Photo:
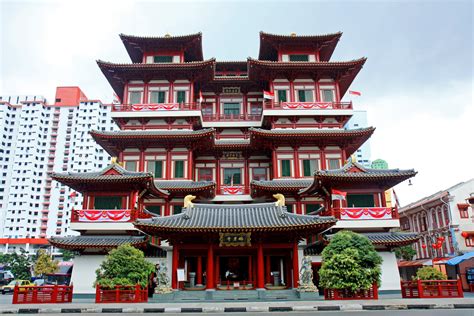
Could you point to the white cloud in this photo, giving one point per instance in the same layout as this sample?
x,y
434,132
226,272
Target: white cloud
x,y
436,140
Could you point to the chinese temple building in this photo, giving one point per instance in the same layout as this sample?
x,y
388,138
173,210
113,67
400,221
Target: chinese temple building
x,y
229,171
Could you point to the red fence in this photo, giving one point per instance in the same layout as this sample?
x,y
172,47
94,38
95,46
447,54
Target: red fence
x,y
42,294
432,289
345,294
121,294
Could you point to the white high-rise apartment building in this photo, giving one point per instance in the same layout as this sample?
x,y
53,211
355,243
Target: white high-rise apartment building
x,y
359,120
37,138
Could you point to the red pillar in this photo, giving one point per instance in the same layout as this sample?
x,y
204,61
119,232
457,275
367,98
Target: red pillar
x,y
274,163
218,175
292,91
199,271
168,164
141,162
171,93
190,164
296,274
174,268
247,176
267,270
296,162
260,268
210,267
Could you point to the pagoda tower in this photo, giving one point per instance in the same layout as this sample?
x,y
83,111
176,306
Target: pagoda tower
x,y
230,171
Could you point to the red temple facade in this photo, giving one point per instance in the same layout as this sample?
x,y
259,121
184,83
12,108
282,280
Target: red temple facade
x,y
228,136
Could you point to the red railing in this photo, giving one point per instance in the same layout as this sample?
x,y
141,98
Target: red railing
x,y
102,216
233,190
362,213
432,289
121,294
345,294
230,117
308,105
236,285
147,107
42,294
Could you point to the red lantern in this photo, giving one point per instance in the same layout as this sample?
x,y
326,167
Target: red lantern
x,y
464,234
423,246
434,246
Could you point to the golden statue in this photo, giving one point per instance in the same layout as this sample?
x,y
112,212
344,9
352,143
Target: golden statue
x,y
280,199
188,201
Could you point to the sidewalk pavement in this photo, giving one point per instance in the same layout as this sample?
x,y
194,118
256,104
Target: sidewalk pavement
x,y
252,307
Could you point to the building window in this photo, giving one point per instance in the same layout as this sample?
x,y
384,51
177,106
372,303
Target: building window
x,y
282,96
206,109
131,165
334,164
259,174
177,209
107,202
162,59
256,109
310,166
299,57
312,208
360,200
135,97
463,210
180,96
470,241
205,174
286,168
157,96
232,176
179,169
155,167
231,108
305,96
328,95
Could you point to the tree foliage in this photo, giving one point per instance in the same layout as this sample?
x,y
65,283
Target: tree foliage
x,y
429,273
45,264
405,252
18,263
350,261
125,265
67,254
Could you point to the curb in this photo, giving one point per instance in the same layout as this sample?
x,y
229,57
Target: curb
x,y
248,309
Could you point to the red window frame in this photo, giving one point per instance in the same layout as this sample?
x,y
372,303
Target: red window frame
x,y
463,210
469,241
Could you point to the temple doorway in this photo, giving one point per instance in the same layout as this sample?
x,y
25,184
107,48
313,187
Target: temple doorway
x,y
234,272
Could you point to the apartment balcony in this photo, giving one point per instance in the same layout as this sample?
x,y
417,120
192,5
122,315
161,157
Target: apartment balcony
x,y
44,227
44,211
44,219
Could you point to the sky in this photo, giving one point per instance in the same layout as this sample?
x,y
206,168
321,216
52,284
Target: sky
x,y
417,84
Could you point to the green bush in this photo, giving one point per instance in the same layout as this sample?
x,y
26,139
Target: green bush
x,y
429,273
125,265
405,252
350,261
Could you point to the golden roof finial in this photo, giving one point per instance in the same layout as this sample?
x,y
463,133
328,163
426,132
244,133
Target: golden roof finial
x,y
353,158
167,35
113,161
293,34
188,201
280,199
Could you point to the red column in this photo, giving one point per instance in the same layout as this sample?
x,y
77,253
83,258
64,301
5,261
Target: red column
x,y
260,268
218,105
267,270
210,267
85,199
246,175
292,91
168,164
274,163
190,164
245,106
174,268
199,271
296,162
141,162
218,175
338,92
191,98
171,92
296,274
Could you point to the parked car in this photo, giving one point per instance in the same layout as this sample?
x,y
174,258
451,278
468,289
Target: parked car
x,y
10,286
39,282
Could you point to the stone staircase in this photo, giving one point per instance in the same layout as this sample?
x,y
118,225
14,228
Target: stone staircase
x,y
228,296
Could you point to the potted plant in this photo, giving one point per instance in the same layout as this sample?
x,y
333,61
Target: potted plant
x,y
350,268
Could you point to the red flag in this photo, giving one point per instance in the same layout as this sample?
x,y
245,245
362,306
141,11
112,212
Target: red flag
x,y
338,195
357,93
268,95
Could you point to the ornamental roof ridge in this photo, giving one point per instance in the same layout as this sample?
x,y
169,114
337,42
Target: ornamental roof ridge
x,y
308,130
361,60
344,170
306,36
152,132
122,172
165,37
188,63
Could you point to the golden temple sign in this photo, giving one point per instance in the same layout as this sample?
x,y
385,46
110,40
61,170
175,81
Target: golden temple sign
x,y
231,90
234,239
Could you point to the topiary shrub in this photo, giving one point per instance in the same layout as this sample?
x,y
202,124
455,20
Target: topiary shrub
x,y
351,262
125,265
429,273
